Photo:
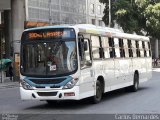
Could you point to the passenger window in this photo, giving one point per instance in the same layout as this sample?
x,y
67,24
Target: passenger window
x,y
134,48
96,47
146,45
121,47
144,48
111,48
147,49
137,49
130,48
85,54
105,45
126,47
149,46
105,42
141,49
117,50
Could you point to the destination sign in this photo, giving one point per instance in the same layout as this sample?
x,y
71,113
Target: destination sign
x,y
49,34
34,35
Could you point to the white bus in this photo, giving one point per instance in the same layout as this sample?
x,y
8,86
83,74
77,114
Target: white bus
x,y
72,62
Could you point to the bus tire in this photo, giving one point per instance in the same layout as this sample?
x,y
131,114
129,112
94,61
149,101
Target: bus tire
x,y
99,90
135,85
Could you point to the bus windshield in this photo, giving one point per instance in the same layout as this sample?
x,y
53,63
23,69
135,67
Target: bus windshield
x,y
52,56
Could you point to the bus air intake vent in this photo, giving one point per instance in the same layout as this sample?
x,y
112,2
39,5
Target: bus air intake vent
x,y
47,81
47,93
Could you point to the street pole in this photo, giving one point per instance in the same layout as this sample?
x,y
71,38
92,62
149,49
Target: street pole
x,y
50,13
1,54
109,13
18,18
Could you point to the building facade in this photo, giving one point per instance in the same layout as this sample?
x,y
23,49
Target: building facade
x,y
95,12
5,25
64,12
56,11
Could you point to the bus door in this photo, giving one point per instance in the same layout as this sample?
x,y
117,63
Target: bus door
x,y
87,73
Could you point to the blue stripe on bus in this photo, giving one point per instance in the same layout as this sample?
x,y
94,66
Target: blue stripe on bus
x,y
66,80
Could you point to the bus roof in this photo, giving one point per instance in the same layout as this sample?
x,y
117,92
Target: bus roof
x,y
92,29
81,27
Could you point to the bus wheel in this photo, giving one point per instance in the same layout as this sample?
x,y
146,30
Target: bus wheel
x,y
135,86
97,98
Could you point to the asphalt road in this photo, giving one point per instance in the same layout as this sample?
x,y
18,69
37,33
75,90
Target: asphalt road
x,y
146,100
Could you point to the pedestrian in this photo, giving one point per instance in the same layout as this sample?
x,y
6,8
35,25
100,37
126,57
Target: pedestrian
x,y
155,61
10,70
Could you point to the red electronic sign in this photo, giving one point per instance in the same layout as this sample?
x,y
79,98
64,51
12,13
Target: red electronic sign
x,y
35,35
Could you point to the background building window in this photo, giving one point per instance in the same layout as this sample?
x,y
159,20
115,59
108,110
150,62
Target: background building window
x,y
100,22
92,8
99,9
93,21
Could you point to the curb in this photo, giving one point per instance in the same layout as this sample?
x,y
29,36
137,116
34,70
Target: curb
x,y
9,85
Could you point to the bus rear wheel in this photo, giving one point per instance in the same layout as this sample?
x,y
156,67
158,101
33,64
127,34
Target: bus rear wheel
x,y
97,98
135,85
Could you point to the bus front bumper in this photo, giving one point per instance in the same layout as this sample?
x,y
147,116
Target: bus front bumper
x,y
50,94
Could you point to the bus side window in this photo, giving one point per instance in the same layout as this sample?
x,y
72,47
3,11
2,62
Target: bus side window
x,y
134,48
130,48
105,45
117,50
121,47
87,53
141,49
137,49
84,52
149,46
125,41
96,47
111,48
144,48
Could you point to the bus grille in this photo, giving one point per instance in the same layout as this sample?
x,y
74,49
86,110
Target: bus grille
x,y
47,81
47,93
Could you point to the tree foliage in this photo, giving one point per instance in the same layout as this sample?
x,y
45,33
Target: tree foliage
x,y
152,14
139,16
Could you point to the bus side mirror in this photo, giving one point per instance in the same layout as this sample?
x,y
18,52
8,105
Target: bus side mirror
x,y
81,50
83,46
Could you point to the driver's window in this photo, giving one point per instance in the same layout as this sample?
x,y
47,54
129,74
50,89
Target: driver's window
x,y
84,51
87,52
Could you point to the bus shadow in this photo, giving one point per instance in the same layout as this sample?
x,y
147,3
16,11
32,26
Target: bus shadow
x,y
68,104
84,103
120,93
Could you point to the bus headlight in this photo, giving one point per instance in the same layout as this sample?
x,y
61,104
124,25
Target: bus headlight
x,y
25,85
71,83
